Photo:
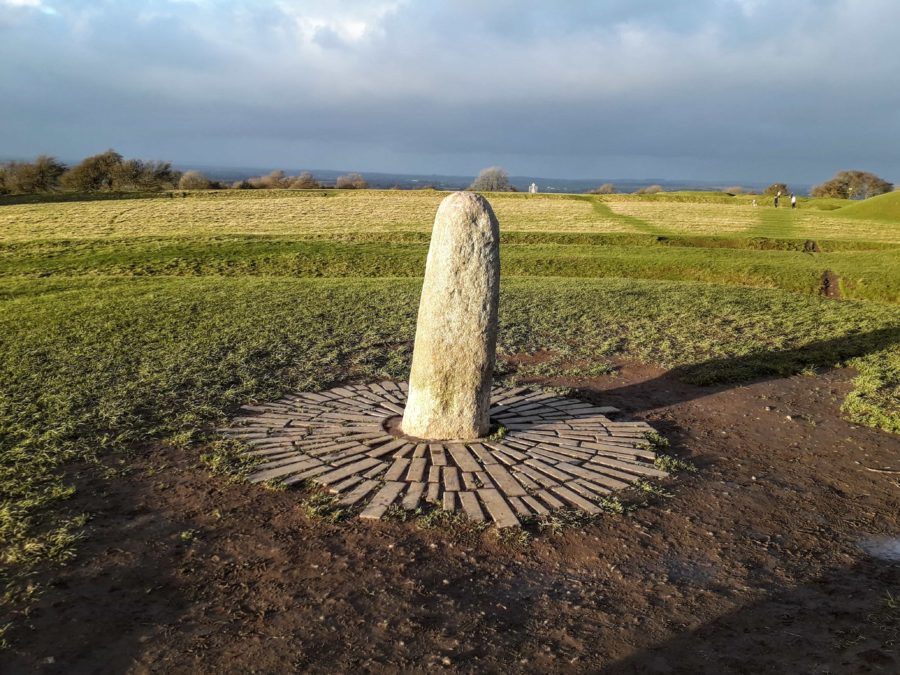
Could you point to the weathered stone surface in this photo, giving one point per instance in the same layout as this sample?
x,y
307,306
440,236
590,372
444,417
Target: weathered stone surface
x,y
456,332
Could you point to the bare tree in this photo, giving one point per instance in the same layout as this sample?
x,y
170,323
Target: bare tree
x,y
305,181
492,179
193,180
135,174
93,173
41,175
276,180
351,181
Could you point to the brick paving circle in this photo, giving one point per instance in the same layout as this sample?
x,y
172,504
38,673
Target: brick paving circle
x,y
557,453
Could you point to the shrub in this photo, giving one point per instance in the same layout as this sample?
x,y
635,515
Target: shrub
x,y
775,188
735,190
649,190
605,189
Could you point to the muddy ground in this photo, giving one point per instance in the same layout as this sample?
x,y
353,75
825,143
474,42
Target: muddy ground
x,y
754,564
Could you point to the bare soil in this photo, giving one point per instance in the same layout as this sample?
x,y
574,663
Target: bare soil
x,y
831,285
755,564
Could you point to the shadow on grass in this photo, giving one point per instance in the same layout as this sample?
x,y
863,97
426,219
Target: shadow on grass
x,y
696,380
824,353
845,621
122,588
57,197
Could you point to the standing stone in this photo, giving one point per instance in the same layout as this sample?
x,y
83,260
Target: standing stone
x,y
456,334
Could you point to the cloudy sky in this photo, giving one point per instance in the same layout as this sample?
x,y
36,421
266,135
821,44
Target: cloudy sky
x,y
704,89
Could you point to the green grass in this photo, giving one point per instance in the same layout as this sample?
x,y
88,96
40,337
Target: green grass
x,y
739,219
95,366
127,322
865,274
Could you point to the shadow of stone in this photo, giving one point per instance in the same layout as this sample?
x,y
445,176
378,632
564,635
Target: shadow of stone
x,y
757,365
697,380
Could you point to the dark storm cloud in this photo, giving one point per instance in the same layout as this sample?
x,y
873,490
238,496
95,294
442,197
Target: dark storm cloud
x,y
719,89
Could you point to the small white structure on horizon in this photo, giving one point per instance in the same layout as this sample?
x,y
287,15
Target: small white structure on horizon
x,y
532,189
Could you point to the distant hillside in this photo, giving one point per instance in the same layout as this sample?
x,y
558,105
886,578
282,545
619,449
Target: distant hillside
x,y
449,182
882,207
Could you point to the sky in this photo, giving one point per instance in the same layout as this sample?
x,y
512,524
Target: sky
x,y
726,90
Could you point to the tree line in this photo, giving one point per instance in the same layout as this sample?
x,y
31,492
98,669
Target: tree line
x,y
111,172
845,185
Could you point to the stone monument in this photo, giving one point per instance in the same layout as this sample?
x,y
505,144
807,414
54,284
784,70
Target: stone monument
x,y
557,452
456,331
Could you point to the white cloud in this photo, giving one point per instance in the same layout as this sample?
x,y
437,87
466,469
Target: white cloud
x,y
350,22
39,5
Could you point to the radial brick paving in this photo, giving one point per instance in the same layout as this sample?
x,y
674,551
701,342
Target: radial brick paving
x,y
557,453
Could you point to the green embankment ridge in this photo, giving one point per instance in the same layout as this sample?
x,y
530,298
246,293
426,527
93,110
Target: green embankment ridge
x,y
883,207
865,274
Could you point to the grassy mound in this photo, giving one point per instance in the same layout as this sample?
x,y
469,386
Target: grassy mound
x,y
882,207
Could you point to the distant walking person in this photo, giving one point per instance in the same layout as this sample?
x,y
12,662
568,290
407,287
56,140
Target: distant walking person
x,y
754,203
793,201
777,197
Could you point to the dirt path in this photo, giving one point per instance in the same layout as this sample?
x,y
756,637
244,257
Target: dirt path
x,y
754,565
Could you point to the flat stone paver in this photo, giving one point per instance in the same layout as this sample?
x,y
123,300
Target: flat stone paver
x,y
557,453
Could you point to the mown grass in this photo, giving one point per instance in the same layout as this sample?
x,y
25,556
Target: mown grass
x,y
740,219
280,212
316,212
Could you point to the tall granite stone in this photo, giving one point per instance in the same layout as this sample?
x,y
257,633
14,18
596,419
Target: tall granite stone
x,y
456,334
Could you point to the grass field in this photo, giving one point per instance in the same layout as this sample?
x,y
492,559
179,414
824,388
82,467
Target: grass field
x,y
124,322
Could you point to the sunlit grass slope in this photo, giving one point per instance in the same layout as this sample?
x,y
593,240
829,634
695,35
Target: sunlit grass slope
x,y
337,213
884,207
